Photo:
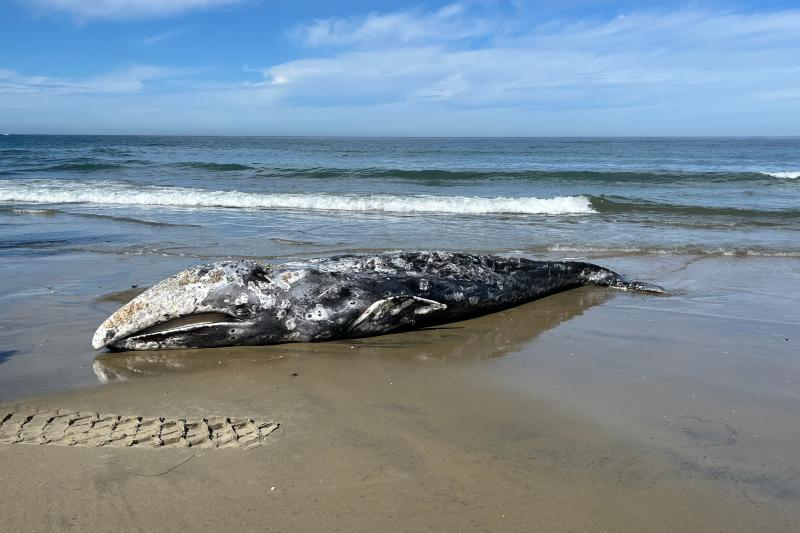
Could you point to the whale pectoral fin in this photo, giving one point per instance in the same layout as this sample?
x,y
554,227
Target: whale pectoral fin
x,y
393,313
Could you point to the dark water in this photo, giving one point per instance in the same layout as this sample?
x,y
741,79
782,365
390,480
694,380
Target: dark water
x,y
278,197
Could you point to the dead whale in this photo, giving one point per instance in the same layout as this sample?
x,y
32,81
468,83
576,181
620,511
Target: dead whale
x,y
250,302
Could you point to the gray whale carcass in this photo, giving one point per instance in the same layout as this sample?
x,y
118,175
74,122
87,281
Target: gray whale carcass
x,y
250,302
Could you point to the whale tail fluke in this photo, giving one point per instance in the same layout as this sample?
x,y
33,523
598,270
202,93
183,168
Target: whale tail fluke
x,y
643,286
604,277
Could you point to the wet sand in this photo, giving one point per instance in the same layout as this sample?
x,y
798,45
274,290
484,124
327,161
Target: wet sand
x,y
589,410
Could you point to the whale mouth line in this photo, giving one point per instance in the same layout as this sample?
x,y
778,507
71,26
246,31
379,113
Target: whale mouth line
x,y
188,323
183,324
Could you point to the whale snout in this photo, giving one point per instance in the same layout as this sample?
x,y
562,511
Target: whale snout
x,y
189,331
191,309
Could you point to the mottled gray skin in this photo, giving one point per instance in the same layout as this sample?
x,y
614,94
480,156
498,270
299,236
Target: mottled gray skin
x,y
251,303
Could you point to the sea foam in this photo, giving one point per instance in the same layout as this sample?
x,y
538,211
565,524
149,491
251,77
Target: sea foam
x,y
790,175
116,193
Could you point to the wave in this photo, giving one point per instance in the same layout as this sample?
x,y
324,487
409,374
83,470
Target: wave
x,y
564,251
112,151
622,250
791,175
116,193
28,211
292,242
442,176
84,166
213,167
127,193
121,193
621,205
129,220
112,158
31,211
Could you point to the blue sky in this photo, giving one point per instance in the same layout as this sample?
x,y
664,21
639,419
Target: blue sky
x,y
482,67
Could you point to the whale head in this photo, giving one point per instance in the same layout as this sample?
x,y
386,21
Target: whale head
x,y
219,304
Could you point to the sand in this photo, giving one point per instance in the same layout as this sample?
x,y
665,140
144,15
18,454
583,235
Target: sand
x,y
591,410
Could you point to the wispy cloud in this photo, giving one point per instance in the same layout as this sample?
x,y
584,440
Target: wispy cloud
x,y
402,27
160,37
125,9
127,80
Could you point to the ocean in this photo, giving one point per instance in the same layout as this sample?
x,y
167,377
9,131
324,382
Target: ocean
x,y
282,197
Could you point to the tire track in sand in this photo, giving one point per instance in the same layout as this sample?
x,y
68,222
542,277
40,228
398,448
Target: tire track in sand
x,y
87,428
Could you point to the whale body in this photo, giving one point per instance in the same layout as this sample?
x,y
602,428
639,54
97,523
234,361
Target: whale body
x,y
250,302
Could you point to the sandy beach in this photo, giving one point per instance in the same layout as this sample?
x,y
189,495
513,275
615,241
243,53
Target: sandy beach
x,y
588,410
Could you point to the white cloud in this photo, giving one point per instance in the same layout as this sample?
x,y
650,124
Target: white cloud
x,y
402,27
643,59
126,9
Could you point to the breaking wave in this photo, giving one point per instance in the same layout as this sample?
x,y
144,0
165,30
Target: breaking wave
x,y
790,175
117,193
